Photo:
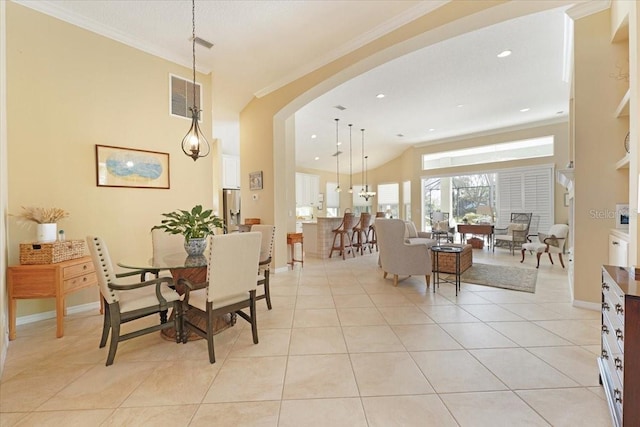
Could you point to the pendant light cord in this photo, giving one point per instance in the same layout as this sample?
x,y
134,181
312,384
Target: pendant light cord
x,y
193,50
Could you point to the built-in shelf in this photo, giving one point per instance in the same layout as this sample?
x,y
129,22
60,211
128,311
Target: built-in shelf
x,y
623,106
623,163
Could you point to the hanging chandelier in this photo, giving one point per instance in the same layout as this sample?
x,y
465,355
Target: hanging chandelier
x,y
338,189
194,143
365,193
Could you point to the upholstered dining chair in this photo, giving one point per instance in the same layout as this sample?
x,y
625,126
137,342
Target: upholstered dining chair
x,y
125,302
266,249
360,237
552,242
398,257
342,236
230,287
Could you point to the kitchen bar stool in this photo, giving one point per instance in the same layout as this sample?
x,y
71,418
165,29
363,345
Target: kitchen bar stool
x,y
292,239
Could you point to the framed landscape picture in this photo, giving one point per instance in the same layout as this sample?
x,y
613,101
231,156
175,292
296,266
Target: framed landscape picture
x,y
128,167
622,215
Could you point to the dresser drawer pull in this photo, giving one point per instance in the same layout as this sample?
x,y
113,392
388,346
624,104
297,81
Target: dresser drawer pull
x,y
605,329
605,355
84,267
605,286
619,309
605,306
618,363
84,279
619,334
617,395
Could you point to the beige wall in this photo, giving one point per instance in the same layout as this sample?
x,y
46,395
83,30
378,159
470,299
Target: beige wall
x,y
4,189
68,90
599,144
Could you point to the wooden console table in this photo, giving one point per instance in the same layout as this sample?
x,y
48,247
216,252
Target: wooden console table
x,y
481,229
48,281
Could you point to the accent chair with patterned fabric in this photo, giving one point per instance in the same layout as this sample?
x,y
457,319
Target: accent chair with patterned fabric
x,y
552,242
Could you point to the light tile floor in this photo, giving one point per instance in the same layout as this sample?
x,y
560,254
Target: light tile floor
x,y
341,347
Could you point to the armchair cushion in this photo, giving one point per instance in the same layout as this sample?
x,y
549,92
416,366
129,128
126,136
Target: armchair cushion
x,y
515,227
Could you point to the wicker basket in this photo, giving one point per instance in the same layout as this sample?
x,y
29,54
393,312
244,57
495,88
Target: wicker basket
x,y
51,253
475,243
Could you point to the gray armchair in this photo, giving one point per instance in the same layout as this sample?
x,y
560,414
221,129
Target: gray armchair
x,y
515,234
398,257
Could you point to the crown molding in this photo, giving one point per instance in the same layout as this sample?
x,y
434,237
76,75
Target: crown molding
x,y
409,15
588,8
50,8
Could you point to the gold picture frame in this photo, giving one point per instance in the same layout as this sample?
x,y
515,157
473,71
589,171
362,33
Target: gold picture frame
x,y
131,168
255,180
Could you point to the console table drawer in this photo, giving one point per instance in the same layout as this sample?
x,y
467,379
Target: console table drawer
x,y
89,279
77,269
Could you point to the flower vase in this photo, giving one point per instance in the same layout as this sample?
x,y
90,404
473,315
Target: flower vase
x,y
47,232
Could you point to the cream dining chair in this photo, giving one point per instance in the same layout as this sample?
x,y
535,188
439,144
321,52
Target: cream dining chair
x,y
264,266
230,287
125,302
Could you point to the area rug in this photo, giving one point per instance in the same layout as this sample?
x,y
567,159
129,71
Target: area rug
x,y
501,276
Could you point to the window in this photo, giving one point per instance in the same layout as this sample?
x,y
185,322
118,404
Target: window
x,y
332,199
181,91
525,149
406,199
389,199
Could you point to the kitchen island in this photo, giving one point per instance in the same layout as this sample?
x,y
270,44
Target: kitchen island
x,y
318,236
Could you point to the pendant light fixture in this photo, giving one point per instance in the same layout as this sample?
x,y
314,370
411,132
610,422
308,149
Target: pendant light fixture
x,y
338,189
194,143
365,193
350,163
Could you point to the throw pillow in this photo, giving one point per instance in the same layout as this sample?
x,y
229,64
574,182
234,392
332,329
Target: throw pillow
x,y
552,241
410,230
442,226
516,227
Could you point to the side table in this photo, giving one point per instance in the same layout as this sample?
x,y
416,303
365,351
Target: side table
x,y
48,281
292,239
437,250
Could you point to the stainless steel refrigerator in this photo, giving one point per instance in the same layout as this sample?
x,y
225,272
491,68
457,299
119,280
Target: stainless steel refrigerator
x,y
231,206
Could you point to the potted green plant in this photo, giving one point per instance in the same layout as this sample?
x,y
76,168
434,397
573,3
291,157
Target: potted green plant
x,y
195,225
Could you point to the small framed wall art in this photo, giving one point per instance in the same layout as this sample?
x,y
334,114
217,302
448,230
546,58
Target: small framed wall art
x,y
622,215
255,180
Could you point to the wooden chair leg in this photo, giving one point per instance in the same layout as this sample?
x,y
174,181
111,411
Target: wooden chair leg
x,y
561,261
115,336
550,259
428,279
267,292
210,322
252,313
106,326
395,280
522,260
538,255
384,274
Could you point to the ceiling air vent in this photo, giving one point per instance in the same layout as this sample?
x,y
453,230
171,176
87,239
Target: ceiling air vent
x,y
203,42
340,107
337,153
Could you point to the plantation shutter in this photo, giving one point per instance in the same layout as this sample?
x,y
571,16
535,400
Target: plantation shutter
x,y
388,194
526,190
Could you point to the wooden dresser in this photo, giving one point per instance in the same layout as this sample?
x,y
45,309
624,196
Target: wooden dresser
x,y
619,362
48,281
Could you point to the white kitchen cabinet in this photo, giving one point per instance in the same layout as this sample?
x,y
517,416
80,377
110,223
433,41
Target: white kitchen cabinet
x,y
230,171
307,189
618,249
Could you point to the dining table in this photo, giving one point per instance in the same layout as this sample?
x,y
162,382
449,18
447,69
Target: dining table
x,y
180,266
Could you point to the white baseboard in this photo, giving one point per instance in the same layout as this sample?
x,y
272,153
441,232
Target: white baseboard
x,y
23,320
587,305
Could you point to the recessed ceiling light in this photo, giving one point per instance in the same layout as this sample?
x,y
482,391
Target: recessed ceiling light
x,y
314,136
380,95
431,130
316,158
460,105
339,143
524,110
504,53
